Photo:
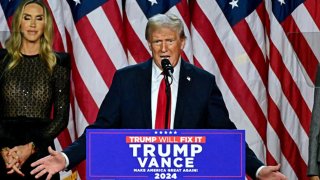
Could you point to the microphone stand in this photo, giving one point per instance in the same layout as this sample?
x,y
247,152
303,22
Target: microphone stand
x,y
168,104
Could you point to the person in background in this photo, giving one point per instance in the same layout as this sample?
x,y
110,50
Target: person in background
x,y
314,140
34,82
133,102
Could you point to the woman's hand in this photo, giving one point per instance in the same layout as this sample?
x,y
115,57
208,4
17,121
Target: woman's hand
x,y
23,152
11,160
16,157
5,156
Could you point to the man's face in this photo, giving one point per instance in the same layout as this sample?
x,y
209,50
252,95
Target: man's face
x,y
165,43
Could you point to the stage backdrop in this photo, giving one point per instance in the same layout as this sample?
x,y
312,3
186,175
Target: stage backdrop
x,y
248,45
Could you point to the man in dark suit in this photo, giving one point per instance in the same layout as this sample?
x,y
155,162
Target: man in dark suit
x,y
132,100
314,140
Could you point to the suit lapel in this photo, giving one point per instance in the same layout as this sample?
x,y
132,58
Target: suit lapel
x,y
144,88
184,83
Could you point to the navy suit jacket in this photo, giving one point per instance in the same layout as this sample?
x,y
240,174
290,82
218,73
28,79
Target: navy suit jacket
x,y
127,105
314,133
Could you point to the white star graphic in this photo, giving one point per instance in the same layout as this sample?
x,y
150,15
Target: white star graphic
x,y
153,2
282,2
77,2
234,3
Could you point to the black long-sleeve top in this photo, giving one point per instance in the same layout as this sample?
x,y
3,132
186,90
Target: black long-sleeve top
x,y
28,95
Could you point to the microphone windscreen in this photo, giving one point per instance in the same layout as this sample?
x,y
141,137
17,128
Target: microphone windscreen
x,y
166,66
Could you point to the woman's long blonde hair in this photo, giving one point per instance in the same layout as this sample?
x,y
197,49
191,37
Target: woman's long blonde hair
x,y
14,43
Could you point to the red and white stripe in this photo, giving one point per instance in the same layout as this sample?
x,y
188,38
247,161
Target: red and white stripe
x,y
234,67
292,65
4,28
97,51
278,116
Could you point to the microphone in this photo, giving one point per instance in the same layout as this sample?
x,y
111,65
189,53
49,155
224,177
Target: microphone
x,y
167,67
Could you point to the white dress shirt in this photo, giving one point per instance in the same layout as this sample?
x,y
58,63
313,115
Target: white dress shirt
x,y
155,84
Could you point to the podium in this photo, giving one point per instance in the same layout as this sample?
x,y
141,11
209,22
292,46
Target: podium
x,y
165,154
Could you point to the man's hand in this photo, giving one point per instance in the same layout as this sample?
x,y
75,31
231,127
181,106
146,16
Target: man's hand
x,y
271,173
314,178
51,164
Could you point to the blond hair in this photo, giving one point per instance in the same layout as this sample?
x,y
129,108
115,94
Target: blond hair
x,y
14,43
164,20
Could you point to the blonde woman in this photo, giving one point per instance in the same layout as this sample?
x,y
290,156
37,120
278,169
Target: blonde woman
x,y
34,86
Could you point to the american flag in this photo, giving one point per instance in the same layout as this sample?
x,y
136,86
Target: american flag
x,y
260,52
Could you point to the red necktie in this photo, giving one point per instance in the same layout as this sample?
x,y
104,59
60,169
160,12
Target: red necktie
x,y
161,107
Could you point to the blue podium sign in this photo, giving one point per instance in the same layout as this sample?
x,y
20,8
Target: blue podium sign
x,y
165,154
